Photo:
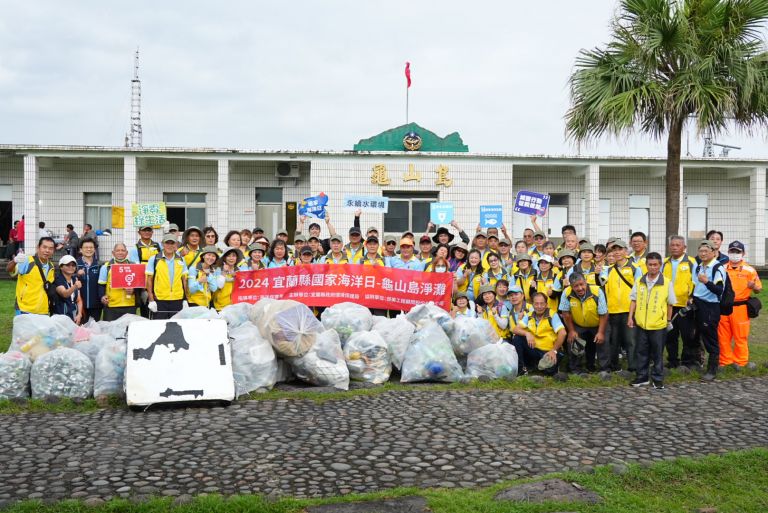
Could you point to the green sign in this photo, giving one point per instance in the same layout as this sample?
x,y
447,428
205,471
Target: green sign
x,y
412,138
148,214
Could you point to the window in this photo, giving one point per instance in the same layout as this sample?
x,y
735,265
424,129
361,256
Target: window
x,y
697,216
639,213
408,211
98,210
185,209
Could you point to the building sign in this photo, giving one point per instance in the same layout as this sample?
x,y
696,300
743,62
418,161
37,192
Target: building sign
x,y
441,213
412,175
148,214
412,141
380,175
314,206
128,276
375,204
531,203
442,176
491,216
327,285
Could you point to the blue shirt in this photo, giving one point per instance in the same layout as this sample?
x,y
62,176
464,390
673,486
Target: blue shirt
x,y
196,286
90,279
398,263
700,290
602,305
27,265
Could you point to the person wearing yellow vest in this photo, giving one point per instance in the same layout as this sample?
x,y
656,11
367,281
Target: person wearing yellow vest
x,y
618,280
585,314
545,281
650,313
336,255
191,249
117,302
586,264
425,250
470,275
166,280
493,311
202,281
525,277
539,238
639,243
544,336
35,274
230,263
678,268
144,249
355,250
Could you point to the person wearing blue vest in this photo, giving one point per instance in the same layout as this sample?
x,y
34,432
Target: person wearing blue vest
x,y
88,273
708,287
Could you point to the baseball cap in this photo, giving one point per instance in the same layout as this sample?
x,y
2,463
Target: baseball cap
x,y
354,231
493,236
67,259
306,250
372,238
372,229
337,237
708,243
514,288
258,229
390,238
736,246
425,238
299,237
169,237
505,240
547,258
406,241
146,227
282,231
539,233
173,226
619,243
547,362
523,256
481,234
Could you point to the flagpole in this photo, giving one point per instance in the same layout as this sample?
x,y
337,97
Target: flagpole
x,y
407,91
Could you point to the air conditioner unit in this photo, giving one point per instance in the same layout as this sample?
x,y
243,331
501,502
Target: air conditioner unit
x,y
287,170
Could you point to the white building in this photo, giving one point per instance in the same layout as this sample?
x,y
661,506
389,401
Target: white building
x,y
236,189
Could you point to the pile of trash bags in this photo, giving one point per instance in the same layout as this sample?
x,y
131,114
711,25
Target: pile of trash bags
x,y
271,341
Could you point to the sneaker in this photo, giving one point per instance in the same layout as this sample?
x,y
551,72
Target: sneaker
x,y
709,376
658,384
640,383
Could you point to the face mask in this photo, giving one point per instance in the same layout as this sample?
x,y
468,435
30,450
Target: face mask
x,y
440,269
735,257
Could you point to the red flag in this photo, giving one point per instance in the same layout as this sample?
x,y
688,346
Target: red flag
x,y
408,73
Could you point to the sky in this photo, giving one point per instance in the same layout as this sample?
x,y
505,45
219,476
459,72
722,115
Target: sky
x,y
306,74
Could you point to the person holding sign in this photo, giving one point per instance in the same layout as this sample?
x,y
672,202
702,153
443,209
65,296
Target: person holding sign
x,y
166,280
116,301
203,278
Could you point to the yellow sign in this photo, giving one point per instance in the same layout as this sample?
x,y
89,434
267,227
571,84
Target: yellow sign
x,y
442,176
380,175
118,217
412,175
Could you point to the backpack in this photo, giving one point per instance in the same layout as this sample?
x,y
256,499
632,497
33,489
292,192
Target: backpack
x,y
50,290
727,298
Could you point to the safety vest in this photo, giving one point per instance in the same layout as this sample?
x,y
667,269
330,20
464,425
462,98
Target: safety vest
x,y
515,317
353,256
147,252
118,298
590,275
494,278
163,289
526,282
584,310
547,282
683,282
342,260
489,314
651,304
544,334
639,261
223,295
372,261
201,297
30,292
618,285
192,257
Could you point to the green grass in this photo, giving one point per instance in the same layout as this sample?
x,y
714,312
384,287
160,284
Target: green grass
x,y
758,354
735,482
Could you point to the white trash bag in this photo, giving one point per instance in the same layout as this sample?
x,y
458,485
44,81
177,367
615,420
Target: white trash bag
x,y
324,365
118,329
497,360
197,312
430,357
468,333
256,312
397,334
92,346
235,314
346,319
290,327
367,357
109,376
421,315
62,372
15,368
35,335
254,364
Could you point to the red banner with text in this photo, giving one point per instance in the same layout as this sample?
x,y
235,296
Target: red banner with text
x,y
128,276
329,284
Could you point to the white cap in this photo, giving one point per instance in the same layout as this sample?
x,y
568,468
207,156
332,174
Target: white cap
x,y
67,259
547,258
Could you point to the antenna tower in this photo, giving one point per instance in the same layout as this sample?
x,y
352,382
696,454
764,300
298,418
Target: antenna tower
x,y
133,138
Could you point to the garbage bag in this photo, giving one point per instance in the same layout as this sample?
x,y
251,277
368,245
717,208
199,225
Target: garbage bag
x,y
254,364
422,315
235,314
197,312
35,335
62,372
367,357
397,334
496,360
290,327
15,367
324,365
468,333
284,371
346,319
378,319
118,329
109,375
256,313
430,357
91,346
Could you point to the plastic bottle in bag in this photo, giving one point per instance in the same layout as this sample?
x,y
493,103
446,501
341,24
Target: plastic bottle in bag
x,y
254,365
15,368
468,333
324,364
495,361
35,335
367,357
235,314
110,363
62,372
421,315
346,319
290,327
430,357
397,334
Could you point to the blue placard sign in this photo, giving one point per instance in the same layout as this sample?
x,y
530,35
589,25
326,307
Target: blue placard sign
x,y
531,203
441,213
491,216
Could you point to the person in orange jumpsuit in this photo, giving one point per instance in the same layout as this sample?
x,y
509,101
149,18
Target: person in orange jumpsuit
x,y
733,330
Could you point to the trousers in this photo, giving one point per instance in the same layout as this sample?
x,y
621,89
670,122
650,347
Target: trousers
x,y
683,327
733,335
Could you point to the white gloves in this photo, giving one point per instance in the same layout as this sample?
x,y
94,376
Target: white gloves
x,y
184,304
20,258
221,281
152,305
670,327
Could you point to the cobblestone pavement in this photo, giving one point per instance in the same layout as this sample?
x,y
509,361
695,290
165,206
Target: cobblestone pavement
x,y
414,438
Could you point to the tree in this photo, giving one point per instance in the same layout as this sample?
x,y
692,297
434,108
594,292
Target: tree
x,y
668,60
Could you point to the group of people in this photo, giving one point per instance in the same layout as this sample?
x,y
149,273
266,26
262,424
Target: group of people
x,y
574,307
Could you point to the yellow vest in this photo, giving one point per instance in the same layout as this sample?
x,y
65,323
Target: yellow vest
x,y
683,282
223,295
193,257
616,291
584,312
651,304
376,261
146,252
354,257
525,283
590,276
163,288
118,298
639,262
474,280
201,297
489,315
541,286
30,293
544,334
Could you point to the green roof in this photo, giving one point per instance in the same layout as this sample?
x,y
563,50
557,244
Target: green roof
x,y
392,140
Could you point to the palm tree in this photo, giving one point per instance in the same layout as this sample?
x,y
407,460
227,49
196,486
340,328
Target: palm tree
x,y
668,60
